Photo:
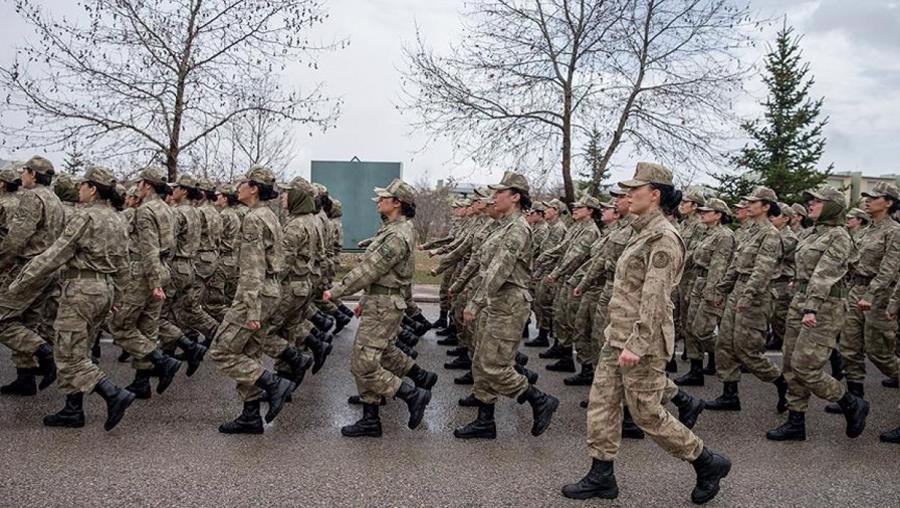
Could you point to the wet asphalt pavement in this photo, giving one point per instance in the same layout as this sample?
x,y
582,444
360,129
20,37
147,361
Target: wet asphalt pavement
x,y
168,452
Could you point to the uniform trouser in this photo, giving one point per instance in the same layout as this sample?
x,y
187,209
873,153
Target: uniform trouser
x,y
807,350
374,358
682,304
543,304
220,288
585,349
780,304
742,338
564,308
601,319
24,317
499,335
329,307
181,308
703,319
237,350
83,305
285,327
446,282
868,334
135,325
643,388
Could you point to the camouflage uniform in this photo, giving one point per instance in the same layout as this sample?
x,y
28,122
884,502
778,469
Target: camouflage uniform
x,y
468,279
603,268
544,294
236,349
447,278
37,223
223,283
585,348
207,261
328,255
385,272
783,293
692,232
641,321
93,255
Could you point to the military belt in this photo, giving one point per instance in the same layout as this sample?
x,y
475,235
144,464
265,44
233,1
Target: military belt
x,y
837,290
293,277
75,273
861,280
383,290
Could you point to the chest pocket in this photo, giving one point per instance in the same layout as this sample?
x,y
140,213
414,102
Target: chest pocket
x,y
871,251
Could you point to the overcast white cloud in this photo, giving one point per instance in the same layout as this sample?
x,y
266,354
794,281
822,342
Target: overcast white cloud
x,y
853,48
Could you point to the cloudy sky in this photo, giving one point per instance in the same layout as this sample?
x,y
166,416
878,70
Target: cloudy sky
x,y
853,47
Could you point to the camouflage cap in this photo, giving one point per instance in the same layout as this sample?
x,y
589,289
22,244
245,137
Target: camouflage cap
x,y
152,175
186,180
740,205
800,210
39,164
121,190
482,192
856,213
538,206
132,192
65,188
261,175
715,205
646,173
608,204
337,209
694,196
555,203
397,189
511,180
321,190
100,175
226,188
10,173
761,193
786,210
827,193
300,184
617,193
205,184
587,201
883,189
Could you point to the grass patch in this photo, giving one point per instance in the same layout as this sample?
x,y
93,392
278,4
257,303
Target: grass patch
x,y
424,265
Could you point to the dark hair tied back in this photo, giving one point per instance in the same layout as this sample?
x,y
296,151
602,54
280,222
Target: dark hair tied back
x,y
408,209
669,198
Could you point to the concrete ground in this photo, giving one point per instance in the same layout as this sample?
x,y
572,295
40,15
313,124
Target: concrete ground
x,y
167,451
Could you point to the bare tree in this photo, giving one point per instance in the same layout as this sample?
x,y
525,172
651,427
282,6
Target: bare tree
x,y
531,76
432,209
152,78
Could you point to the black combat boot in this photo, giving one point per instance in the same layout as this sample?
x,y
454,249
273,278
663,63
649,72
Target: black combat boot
x,y
891,382
408,351
530,375
782,387
416,399
565,363
542,339
320,351
322,336
521,359
249,422
24,385
672,365
278,391
117,401
96,352
46,366
449,331
525,333
451,338
774,342
542,408
710,467
599,482
368,426
298,363
193,353
838,365
710,369
422,378
341,321
124,356
855,411
408,337
630,430
728,401
164,367
356,401
423,321
693,377
794,429
442,321
465,379
72,415
891,436
346,311
583,378
322,321
140,387
457,351
689,408
553,352
459,363
483,427
469,401
857,389
583,404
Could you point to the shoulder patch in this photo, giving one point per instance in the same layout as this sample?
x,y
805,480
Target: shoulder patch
x,y
661,259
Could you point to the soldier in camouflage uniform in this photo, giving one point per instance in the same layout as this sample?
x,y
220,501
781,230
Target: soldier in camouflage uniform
x,y
692,231
708,261
501,302
801,220
857,223
93,258
211,230
135,324
640,339
783,293
330,311
544,293
867,331
539,231
223,283
36,224
817,315
9,198
385,273
67,192
456,223
239,340
748,306
576,251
